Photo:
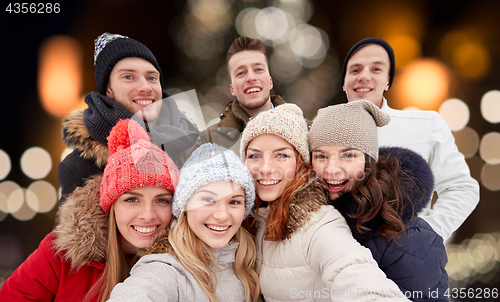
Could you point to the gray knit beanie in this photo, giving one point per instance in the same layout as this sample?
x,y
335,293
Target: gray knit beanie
x,y
210,163
285,121
353,124
111,48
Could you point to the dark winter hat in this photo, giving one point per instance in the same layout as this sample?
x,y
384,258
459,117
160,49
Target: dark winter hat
x,y
111,48
367,41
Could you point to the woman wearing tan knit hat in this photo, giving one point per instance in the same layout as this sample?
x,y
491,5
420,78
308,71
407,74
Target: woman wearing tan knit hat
x,y
296,256
379,193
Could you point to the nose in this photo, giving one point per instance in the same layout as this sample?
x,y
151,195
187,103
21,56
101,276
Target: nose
x,y
221,212
251,76
144,86
333,166
364,75
147,212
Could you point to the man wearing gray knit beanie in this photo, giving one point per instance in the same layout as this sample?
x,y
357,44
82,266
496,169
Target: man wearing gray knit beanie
x,y
368,72
129,81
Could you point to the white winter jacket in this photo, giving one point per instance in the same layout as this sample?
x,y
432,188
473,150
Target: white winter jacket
x,y
319,260
427,133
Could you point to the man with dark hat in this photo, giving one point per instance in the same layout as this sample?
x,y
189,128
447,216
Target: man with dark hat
x,y
130,85
367,73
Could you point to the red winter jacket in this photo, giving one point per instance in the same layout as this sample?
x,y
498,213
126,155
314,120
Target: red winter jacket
x,y
46,276
70,259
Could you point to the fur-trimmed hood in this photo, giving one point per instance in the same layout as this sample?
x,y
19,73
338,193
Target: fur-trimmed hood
x,y
417,185
307,199
82,227
76,136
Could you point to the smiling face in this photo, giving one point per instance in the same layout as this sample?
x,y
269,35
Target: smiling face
x,y
141,213
135,84
340,167
251,82
367,75
272,161
215,212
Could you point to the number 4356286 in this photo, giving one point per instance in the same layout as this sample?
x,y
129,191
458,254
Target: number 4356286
x,y
33,8
476,293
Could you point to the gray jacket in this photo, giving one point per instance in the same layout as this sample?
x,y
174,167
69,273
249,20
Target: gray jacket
x,y
161,277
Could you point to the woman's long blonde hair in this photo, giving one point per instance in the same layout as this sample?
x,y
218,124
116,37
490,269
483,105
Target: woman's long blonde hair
x,y
197,258
117,267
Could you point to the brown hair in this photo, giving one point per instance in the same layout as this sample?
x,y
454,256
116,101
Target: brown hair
x,y
245,43
280,208
118,265
380,194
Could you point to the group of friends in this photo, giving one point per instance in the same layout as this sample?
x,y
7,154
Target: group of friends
x,y
266,204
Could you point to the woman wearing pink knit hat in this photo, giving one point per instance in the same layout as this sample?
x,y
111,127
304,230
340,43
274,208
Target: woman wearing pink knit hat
x,y
101,225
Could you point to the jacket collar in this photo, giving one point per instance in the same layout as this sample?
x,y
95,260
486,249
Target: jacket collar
x,y
307,199
82,227
76,136
236,117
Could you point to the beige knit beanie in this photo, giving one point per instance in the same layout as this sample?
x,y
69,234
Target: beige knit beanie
x,y
353,124
285,121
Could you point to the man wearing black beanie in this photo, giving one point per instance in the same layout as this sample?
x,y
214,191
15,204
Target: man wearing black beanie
x,y
130,85
367,73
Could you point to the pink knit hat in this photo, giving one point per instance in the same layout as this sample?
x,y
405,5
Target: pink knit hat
x,y
134,162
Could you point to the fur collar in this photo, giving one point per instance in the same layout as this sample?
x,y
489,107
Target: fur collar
x,y
417,185
307,199
76,136
81,229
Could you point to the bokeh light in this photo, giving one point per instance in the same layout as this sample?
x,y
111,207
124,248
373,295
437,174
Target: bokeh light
x,y
272,23
36,163
41,196
5,164
6,189
15,200
19,208
490,106
65,153
490,177
467,141
406,49
214,15
424,83
456,113
308,42
245,23
472,60
60,75
489,148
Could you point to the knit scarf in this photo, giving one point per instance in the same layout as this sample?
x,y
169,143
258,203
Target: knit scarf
x,y
173,131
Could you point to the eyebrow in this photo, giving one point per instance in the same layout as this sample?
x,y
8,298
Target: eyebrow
x,y
343,150
213,193
141,195
135,70
277,150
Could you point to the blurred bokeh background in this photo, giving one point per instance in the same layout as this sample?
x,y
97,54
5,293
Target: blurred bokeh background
x,y
447,59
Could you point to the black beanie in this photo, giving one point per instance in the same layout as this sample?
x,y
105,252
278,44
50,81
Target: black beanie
x,y
111,48
366,41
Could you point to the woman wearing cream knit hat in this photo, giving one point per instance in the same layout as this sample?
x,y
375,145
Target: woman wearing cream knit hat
x,y
305,250
380,194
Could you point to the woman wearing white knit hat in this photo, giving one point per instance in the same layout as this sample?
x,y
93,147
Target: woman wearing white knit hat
x,y
380,194
207,255
305,250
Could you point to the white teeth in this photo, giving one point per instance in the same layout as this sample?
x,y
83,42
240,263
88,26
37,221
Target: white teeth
x,y
144,230
217,228
144,102
268,182
363,89
256,89
334,182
